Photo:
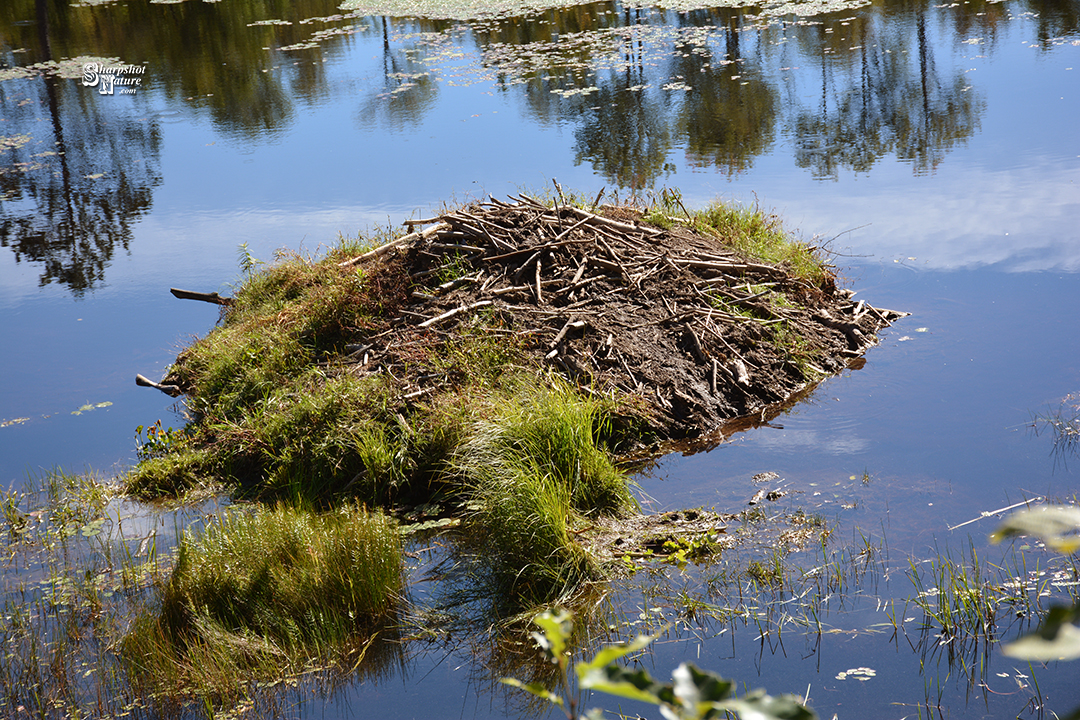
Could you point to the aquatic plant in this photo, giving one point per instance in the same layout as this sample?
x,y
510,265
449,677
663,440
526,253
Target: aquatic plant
x,y
693,694
264,590
534,473
1064,425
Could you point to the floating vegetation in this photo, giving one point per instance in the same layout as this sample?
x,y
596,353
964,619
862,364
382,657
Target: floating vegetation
x,y
9,142
464,10
69,68
91,406
860,673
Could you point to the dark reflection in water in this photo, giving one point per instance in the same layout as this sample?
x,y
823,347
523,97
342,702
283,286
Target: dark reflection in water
x,y
723,87
407,90
881,101
74,176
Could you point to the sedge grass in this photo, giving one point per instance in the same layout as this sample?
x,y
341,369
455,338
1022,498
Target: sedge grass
x,y
532,474
259,593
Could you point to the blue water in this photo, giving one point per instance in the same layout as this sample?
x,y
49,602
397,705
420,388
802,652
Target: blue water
x,y
947,184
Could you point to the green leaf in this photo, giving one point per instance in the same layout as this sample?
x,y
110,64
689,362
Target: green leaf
x,y
557,627
699,690
535,688
619,681
1058,637
759,706
611,653
92,528
1057,525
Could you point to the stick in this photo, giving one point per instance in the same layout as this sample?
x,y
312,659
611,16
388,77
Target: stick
x,y
615,224
170,390
483,227
627,369
577,284
526,264
580,271
460,281
671,318
451,313
205,297
988,513
712,377
695,344
714,331
570,229
525,199
562,333
544,246
464,248
539,295
383,249
512,288
598,196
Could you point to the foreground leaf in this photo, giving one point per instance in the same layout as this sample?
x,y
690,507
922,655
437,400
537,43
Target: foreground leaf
x,y
535,688
699,691
557,627
1056,525
759,706
1058,637
622,682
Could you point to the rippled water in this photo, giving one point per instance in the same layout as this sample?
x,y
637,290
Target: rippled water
x,y
933,148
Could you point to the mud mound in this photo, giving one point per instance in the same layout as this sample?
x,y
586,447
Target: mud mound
x,y
697,332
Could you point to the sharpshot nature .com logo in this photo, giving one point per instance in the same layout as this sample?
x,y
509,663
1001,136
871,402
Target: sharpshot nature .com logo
x,y
112,79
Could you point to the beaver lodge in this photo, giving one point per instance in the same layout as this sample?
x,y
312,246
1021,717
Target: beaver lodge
x,y
694,331
496,365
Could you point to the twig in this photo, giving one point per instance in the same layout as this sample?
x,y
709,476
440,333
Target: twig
x,y
539,294
451,313
383,249
615,224
695,344
988,513
562,333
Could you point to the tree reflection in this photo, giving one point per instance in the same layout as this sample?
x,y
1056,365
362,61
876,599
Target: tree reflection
x,y
729,115
622,135
74,174
874,101
623,132
406,91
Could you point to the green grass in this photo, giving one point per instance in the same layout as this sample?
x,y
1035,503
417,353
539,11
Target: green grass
x,y
259,593
746,229
533,474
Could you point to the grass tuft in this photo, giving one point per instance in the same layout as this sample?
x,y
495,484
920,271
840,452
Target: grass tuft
x,y
257,591
533,474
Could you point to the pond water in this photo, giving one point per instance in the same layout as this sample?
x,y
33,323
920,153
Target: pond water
x,y
932,147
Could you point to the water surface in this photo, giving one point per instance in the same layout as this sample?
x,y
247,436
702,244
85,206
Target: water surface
x,y
931,147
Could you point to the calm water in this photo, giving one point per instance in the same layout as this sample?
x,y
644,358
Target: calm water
x,y
934,148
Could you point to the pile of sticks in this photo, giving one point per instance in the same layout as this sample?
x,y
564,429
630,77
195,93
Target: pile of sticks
x,y
614,303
